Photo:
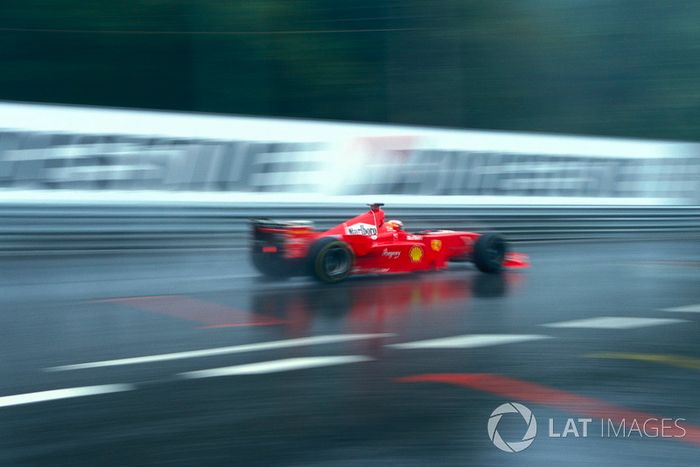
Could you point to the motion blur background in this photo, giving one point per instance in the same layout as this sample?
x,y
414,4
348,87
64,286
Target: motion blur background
x,y
137,139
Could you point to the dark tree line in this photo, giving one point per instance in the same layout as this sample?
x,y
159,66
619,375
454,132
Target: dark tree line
x,y
609,67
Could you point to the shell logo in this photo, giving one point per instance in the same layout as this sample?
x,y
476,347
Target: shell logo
x,y
415,253
436,245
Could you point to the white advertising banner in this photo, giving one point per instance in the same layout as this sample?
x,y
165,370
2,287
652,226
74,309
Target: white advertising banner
x,y
62,149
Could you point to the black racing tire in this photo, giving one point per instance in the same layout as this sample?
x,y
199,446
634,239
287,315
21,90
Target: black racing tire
x,y
489,252
330,260
270,265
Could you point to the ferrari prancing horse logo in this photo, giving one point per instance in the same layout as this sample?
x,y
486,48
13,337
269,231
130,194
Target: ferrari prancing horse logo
x,y
436,245
415,253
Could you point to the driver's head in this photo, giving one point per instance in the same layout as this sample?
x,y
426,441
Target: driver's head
x,y
395,224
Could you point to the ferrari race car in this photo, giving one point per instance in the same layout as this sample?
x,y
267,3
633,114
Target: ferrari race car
x,y
366,244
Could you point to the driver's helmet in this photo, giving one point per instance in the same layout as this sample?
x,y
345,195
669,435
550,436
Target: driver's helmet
x,y
395,224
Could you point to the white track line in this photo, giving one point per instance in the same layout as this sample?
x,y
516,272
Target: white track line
x,y
275,366
613,322
685,309
314,340
468,341
68,393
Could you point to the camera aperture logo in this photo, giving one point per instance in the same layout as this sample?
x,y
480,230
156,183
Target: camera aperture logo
x,y
528,417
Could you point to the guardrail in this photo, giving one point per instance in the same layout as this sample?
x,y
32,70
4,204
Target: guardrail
x,y
36,229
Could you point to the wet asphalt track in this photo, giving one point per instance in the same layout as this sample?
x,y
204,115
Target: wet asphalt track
x,y
376,406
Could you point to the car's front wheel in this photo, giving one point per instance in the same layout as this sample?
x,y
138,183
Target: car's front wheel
x,y
489,252
330,260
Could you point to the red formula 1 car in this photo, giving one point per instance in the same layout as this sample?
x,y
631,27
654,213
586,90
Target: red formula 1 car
x,y
366,244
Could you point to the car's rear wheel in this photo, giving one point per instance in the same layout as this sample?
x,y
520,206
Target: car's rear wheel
x,y
330,260
489,252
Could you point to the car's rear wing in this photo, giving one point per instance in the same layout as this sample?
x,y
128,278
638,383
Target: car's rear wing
x,y
275,237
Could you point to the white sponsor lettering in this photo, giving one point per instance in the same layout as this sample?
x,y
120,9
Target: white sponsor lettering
x,y
361,229
391,254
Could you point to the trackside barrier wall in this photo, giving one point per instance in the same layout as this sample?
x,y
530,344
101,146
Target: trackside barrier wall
x,y
90,178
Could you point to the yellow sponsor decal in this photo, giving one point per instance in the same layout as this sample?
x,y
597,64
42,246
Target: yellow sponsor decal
x,y
415,253
436,245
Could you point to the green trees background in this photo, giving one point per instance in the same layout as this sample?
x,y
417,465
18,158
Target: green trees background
x,y
605,67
